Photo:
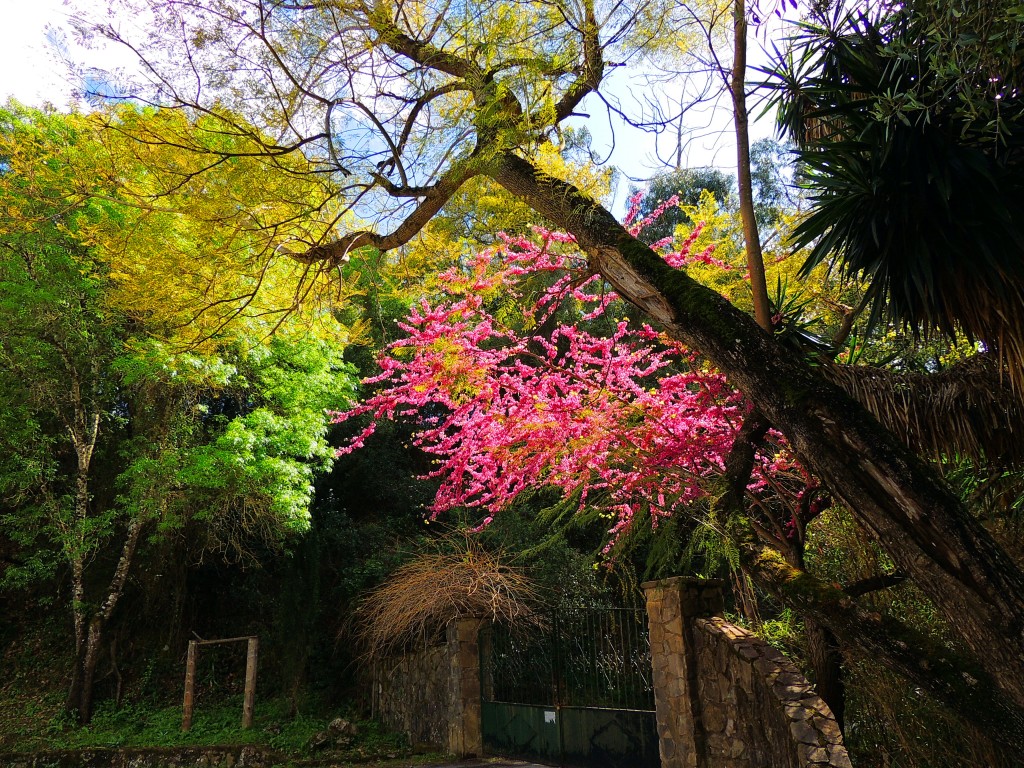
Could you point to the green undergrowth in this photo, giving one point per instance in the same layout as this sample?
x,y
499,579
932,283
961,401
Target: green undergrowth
x,y
41,727
33,679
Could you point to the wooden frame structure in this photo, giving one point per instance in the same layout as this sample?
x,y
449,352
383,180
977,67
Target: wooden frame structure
x,y
249,700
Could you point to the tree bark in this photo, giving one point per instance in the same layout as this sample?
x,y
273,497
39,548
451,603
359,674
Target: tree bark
x,y
88,669
83,431
827,662
823,651
78,622
88,653
830,611
917,520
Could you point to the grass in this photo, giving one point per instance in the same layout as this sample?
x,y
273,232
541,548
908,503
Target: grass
x,y
33,675
36,723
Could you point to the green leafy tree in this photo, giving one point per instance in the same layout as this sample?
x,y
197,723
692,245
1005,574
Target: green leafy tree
x,y
402,104
688,185
114,434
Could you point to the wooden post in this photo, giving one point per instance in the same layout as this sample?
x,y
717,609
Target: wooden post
x,y
250,681
190,684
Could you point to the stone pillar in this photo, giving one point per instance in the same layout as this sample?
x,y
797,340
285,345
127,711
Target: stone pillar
x,y
672,605
465,734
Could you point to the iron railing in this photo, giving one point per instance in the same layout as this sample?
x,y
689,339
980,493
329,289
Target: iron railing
x,y
578,657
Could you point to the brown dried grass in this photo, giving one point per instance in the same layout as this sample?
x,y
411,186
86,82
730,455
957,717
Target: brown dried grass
x,y
971,410
420,599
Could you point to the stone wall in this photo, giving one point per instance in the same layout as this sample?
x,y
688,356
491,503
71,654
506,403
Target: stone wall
x,y
433,695
725,698
757,707
413,695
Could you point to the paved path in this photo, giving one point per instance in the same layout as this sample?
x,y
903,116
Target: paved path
x,y
493,762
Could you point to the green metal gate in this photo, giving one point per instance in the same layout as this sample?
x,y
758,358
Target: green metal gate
x,y
571,688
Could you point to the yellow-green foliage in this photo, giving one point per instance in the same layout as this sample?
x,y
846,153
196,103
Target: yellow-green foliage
x,y
722,229
195,243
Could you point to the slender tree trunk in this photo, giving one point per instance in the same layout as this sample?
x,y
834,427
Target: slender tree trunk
x,y
83,431
823,650
88,664
751,237
894,495
87,657
78,618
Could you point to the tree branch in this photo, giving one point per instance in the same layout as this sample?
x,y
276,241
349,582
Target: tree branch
x,y
914,516
434,198
874,583
424,54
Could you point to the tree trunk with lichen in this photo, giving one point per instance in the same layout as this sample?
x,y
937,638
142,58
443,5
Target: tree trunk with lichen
x,y
87,650
894,495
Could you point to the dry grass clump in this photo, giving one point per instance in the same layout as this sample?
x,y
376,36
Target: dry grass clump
x,y
423,596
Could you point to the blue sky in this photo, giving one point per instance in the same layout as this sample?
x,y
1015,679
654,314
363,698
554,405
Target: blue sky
x,y
28,71
31,71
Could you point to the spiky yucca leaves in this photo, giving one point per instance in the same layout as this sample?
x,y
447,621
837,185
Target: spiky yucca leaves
x,y
423,596
916,167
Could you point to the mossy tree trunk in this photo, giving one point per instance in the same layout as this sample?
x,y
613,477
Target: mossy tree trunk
x,y
894,495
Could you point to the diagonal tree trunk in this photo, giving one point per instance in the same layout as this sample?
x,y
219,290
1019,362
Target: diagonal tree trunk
x,y
957,683
924,528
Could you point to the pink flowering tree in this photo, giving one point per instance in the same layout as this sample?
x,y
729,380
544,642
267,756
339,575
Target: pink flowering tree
x,y
611,413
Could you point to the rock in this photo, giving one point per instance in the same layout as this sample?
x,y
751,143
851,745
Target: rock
x,y
812,754
250,757
339,726
805,733
320,740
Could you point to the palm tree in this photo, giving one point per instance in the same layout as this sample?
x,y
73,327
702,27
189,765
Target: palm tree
x,y
910,130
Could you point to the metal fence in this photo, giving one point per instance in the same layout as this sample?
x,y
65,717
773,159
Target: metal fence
x,y
580,657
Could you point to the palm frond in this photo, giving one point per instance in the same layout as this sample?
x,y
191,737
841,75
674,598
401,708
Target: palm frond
x,y
917,182
968,411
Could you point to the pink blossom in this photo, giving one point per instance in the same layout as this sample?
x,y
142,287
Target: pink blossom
x,y
626,420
